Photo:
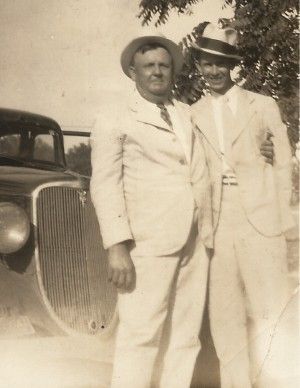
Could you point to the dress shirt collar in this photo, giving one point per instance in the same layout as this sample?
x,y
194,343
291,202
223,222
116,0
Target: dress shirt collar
x,y
140,100
230,97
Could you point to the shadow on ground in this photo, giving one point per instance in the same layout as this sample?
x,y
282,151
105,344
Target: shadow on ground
x,y
206,373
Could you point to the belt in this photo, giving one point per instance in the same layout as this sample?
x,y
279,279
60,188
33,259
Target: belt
x,y
229,180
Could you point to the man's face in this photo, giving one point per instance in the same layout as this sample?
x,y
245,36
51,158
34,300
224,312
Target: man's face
x,y
216,71
152,72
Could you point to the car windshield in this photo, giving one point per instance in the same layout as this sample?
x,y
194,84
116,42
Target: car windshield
x,y
30,145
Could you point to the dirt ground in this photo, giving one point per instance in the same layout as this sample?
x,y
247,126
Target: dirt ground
x,y
86,362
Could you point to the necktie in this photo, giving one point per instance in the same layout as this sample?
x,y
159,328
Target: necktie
x,y
228,128
164,114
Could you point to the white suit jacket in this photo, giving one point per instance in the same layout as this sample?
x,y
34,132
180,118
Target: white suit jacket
x,y
265,190
143,187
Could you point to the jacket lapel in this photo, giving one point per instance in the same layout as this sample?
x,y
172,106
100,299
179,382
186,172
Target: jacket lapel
x,y
185,127
245,112
146,112
204,120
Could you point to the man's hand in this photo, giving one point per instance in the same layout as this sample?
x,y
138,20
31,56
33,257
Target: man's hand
x,y
120,266
267,149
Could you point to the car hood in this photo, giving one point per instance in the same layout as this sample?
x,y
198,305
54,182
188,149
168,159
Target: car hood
x,y
24,180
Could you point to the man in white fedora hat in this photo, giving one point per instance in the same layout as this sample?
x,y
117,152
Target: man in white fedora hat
x,y
151,191
251,212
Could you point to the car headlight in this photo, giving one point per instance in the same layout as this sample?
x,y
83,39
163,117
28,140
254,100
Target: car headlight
x,y
14,227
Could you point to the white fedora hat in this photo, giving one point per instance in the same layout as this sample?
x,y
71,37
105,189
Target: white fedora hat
x,y
218,41
132,47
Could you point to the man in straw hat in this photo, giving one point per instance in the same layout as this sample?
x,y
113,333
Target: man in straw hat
x,y
151,192
248,275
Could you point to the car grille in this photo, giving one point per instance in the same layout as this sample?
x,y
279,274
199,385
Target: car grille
x,y
72,260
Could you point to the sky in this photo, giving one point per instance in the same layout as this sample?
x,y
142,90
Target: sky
x,y
60,58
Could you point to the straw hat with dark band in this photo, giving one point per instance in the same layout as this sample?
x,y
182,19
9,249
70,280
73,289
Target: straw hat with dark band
x,y
218,41
173,49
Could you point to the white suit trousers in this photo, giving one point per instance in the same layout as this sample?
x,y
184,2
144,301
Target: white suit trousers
x,y
248,292
159,321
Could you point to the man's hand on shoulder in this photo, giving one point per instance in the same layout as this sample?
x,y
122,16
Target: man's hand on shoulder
x,y
120,266
267,149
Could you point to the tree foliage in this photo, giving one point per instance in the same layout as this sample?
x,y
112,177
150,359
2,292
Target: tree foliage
x,y
268,42
162,8
9,145
37,149
43,151
79,159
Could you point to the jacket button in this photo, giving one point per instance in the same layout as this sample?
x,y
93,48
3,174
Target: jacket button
x,y
181,161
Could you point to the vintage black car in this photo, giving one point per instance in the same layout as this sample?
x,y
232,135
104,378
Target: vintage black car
x,y
53,269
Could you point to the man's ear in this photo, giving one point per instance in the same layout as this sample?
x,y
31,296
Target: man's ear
x,y
132,72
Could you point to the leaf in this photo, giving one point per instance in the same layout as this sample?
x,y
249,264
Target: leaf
x,y
268,41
